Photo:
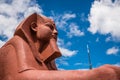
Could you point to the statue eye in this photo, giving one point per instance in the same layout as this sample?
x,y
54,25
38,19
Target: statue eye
x,y
50,26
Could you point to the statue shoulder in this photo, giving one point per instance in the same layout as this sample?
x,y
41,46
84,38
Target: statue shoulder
x,y
14,44
14,41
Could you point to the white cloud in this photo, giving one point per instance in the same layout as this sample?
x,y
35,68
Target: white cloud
x,y
61,20
108,39
68,16
60,42
63,62
68,44
104,18
97,40
113,50
74,31
78,64
117,64
67,53
82,17
61,69
83,69
12,12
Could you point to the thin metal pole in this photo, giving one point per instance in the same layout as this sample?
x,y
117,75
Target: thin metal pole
x,y
89,58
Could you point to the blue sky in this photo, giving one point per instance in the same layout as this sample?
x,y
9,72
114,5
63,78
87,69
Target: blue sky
x,y
79,23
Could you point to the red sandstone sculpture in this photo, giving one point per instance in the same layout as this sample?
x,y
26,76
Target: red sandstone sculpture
x,y
30,55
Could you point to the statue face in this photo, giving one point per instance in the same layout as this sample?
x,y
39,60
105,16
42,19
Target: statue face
x,y
45,31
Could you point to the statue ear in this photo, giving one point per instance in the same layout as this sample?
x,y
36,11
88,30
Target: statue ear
x,y
34,26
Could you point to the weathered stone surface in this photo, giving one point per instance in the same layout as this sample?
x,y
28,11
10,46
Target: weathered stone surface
x,y
30,55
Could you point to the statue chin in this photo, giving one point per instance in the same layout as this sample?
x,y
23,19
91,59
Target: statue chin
x,y
50,51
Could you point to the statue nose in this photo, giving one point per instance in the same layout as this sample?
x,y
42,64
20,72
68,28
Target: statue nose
x,y
55,32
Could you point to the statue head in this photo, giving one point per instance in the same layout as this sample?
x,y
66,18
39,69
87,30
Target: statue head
x,y
40,28
44,29
37,27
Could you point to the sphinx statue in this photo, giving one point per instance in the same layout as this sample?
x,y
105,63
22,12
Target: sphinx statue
x,y
30,55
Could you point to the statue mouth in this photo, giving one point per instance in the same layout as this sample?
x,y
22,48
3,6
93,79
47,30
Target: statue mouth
x,y
54,37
